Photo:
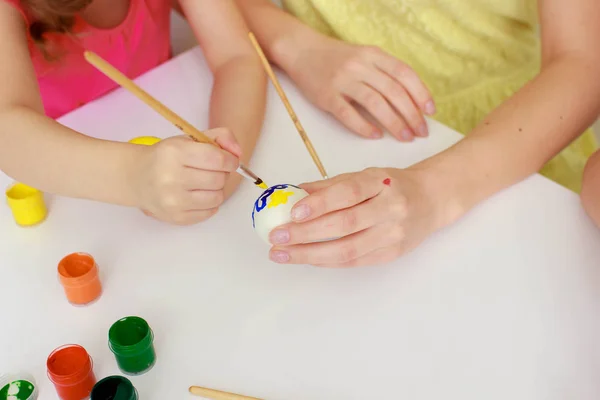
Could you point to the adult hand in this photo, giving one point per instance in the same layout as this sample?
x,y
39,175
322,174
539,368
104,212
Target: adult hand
x,y
181,181
342,78
376,215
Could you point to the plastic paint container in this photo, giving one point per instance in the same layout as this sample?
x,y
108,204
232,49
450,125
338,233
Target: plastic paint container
x,y
71,370
114,388
78,275
145,140
132,342
27,204
19,386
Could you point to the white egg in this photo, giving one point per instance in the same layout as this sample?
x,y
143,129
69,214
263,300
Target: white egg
x,y
273,208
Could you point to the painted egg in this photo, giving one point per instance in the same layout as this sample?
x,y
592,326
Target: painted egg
x,y
273,208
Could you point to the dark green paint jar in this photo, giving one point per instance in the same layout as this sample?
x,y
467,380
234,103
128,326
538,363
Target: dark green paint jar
x,y
114,388
132,342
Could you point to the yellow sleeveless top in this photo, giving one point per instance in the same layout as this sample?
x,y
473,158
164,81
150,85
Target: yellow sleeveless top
x,y
471,54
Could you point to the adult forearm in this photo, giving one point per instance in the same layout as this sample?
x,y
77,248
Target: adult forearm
x,y
238,103
590,193
520,136
40,152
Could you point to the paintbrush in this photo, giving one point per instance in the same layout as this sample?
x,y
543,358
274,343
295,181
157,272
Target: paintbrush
x,y
288,106
187,128
213,394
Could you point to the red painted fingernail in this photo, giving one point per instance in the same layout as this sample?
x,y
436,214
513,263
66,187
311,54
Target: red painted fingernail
x,y
301,212
280,257
280,236
387,182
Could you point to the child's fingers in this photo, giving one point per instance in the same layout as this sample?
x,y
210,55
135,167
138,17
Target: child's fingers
x,y
211,158
194,179
193,217
226,139
201,200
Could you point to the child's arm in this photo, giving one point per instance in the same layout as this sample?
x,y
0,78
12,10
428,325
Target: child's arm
x,y
590,194
37,150
239,91
177,180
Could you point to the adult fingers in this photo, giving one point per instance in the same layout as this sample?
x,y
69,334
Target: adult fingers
x,y
340,251
373,101
376,257
344,194
399,97
351,118
334,225
405,75
312,187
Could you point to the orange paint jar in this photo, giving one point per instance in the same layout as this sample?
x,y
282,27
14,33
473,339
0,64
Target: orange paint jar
x,y
71,370
78,275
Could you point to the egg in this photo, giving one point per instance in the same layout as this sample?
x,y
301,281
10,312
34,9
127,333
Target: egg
x,y
273,208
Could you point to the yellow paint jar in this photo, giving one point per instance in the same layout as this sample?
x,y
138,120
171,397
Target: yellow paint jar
x,y
145,140
27,204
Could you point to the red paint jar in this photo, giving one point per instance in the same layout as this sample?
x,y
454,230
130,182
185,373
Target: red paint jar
x,y
70,369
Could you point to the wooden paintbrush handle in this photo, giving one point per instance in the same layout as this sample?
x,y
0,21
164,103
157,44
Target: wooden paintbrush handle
x,y
163,110
217,394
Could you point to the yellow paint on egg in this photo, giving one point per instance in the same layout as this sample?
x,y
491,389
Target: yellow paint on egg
x,y
278,198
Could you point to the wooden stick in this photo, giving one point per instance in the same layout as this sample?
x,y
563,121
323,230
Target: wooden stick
x,y
217,394
288,106
187,128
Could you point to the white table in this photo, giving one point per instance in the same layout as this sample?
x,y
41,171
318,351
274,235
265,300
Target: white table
x,y
503,305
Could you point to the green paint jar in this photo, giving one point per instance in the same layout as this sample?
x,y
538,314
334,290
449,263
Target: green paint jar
x,y
19,386
114,388
132,342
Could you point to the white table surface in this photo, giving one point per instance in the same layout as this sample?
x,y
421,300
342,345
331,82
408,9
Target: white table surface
x,y
502,305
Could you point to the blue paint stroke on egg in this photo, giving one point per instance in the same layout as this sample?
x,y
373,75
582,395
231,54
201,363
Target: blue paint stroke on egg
x,y
261,202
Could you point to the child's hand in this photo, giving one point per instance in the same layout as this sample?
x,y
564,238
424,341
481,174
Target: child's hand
x,y
337,76
181,181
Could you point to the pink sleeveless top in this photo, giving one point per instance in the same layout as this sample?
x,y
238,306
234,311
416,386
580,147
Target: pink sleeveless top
x,y
138,44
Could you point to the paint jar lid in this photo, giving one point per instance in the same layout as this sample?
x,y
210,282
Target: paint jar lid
x,y
69,365
130,336
18,386
114,387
